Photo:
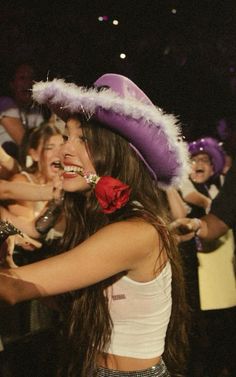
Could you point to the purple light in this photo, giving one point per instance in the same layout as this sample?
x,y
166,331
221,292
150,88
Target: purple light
x,y
103,18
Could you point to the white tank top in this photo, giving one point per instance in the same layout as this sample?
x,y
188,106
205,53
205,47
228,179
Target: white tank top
x,y
140,313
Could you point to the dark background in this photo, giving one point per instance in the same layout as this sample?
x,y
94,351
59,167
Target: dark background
x,y
181,53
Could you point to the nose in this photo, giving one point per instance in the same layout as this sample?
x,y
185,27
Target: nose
x,y
28,80
57,152
199,163
67,149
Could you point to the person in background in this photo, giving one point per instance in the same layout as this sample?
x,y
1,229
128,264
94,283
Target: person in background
x,y
40,164
124,300
17,112
217,284
42,145
10,190
40,161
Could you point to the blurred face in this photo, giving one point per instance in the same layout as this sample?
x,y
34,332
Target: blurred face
x,y
75,158
48,157
22,83
202,168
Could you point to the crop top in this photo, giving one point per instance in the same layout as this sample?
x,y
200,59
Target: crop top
x,y
140,313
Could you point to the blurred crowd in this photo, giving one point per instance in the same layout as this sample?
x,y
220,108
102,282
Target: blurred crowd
x,y
31,200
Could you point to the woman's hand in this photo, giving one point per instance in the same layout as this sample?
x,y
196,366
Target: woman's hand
x,y
8,246
185,229
26,242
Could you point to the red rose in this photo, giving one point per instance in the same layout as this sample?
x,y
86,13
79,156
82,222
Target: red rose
x,y
111,194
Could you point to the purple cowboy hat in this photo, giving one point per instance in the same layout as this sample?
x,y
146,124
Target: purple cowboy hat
x,y
211,147
117,102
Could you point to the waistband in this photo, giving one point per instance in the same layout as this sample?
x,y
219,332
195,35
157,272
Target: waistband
x,y
158,370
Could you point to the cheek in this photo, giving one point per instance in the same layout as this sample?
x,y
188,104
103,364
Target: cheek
x,y
86,161
210,171
46,159
193,170
61,153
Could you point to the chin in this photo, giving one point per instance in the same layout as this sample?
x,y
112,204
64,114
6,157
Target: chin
x,y
200,181
73,187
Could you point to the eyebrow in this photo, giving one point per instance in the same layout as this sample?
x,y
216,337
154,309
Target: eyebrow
x,y
49,145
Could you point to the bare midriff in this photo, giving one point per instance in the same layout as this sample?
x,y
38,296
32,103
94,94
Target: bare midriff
x,y
123,363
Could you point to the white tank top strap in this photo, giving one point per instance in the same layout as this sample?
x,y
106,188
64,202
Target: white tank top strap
x,y
27,175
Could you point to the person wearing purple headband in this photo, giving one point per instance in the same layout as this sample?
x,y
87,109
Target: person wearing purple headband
x,y
216,278
216,260
118,276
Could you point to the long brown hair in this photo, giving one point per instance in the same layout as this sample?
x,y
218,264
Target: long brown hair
x,y
90,325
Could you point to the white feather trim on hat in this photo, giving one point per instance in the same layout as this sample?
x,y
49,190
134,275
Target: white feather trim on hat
x,y
74,99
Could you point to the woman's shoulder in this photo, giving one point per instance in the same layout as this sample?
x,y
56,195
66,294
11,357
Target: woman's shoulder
x,y
135,233
21,177
132,225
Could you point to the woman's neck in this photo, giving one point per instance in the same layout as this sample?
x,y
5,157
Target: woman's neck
x,y
39,178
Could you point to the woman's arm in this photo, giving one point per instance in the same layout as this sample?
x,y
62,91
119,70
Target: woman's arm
x,y
8,162
192,196
198,199
25,191
177,206
208,228
104,254
20,214
211,227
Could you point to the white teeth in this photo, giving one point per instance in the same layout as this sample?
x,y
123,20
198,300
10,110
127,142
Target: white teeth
x,y
57,164
73,169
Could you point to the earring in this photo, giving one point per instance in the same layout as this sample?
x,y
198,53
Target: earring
x,y
29,161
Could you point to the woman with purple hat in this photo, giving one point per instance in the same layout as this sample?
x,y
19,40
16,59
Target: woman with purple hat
x,y
118,277
208,161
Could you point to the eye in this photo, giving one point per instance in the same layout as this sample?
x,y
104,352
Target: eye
x,y
83,138
47,148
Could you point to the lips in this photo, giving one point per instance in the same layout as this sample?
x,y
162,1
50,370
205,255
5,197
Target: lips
x,y
57,164
199,171
72,171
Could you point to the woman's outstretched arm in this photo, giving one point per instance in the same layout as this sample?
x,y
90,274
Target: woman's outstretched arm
x,y
103,255
25,191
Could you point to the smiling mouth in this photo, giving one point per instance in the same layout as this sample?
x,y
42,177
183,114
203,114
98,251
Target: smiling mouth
x,y
72,169
56,164
199,171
